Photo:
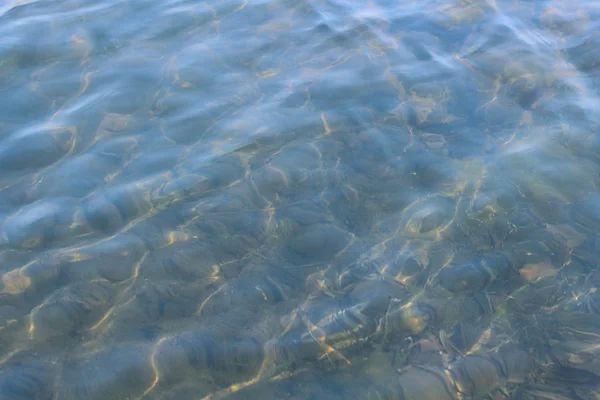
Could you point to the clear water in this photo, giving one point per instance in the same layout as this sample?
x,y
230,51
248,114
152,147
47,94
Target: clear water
x,y
299,199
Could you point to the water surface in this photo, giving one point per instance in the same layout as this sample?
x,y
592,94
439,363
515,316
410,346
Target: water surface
x,y
299,199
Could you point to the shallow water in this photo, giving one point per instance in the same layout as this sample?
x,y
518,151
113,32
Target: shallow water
x,y
299,199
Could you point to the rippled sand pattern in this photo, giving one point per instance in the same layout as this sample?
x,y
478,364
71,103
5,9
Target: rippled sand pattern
x,y
299,199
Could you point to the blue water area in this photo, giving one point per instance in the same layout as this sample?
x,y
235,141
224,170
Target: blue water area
x,y
312,199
